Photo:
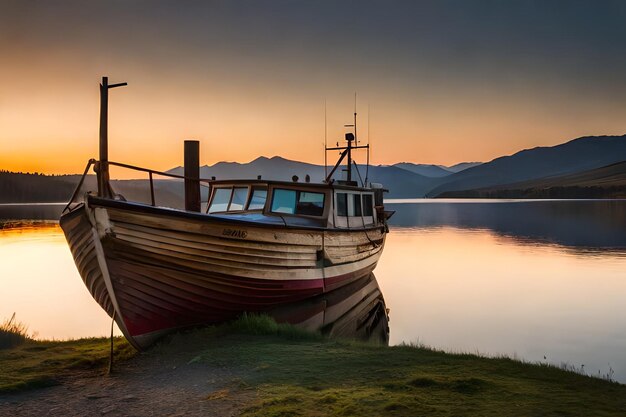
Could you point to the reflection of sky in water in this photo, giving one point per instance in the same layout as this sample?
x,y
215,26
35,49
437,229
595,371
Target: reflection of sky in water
x,y
41,285
473,290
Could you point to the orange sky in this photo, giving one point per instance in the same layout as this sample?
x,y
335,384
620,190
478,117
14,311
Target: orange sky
x,y
436,97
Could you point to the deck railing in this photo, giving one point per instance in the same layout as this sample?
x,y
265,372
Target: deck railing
x,y
151,172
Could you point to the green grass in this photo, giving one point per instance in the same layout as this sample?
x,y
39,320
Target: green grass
x,y
258,324
34,364
306,375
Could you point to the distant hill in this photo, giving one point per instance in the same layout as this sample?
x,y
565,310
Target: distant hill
x,y
461,167
604,182
432,171
577,155
275,168
436,171
400,182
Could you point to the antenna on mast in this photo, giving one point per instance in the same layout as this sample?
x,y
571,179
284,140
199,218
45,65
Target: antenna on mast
x,y
367,169
356,140
347,152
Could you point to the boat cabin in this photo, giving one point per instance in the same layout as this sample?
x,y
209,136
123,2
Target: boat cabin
x,y
297,204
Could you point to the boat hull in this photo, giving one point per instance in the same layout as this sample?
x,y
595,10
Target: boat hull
x,y
156,270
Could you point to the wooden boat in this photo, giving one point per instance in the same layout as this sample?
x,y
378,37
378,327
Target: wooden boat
x,y
257,246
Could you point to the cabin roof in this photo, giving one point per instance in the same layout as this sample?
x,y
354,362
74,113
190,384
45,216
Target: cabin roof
x,y
262,182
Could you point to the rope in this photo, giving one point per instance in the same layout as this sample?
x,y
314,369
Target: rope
x,y
359,174
80,184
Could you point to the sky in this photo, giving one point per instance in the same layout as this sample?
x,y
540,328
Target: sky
x,y
437,82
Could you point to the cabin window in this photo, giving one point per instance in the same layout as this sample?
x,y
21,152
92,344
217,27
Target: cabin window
x,y
356,205
257,201
342,204
310,204
284,201
298,202
367,205
240,194
220,201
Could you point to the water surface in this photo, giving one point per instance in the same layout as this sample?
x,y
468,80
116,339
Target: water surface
x,y
31,211
39,282
541,281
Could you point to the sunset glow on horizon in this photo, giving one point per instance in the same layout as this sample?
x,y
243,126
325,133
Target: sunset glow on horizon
x,y
444,82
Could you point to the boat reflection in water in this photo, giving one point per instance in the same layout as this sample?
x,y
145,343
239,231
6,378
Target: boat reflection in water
x,y
355,311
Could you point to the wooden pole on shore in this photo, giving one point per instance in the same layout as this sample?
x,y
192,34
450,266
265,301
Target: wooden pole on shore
x,y
192,175
110,370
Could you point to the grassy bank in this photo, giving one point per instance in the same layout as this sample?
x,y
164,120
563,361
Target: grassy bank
x,y
33,364
297,373
350,379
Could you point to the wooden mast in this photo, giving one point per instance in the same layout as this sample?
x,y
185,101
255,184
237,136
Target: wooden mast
x,y
104,189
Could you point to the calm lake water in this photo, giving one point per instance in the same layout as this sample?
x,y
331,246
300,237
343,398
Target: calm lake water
x,y
543,281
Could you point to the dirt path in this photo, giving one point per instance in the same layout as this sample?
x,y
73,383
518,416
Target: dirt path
x,y
149,384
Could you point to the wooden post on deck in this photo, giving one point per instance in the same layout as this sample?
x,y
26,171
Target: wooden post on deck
x,y
192,175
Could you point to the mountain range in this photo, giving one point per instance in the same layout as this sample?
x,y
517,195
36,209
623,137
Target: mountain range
x,y
278,168
587,167
604,182
408,180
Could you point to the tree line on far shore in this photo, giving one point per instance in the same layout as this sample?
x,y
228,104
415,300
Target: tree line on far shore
x,y
19,187
618,191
